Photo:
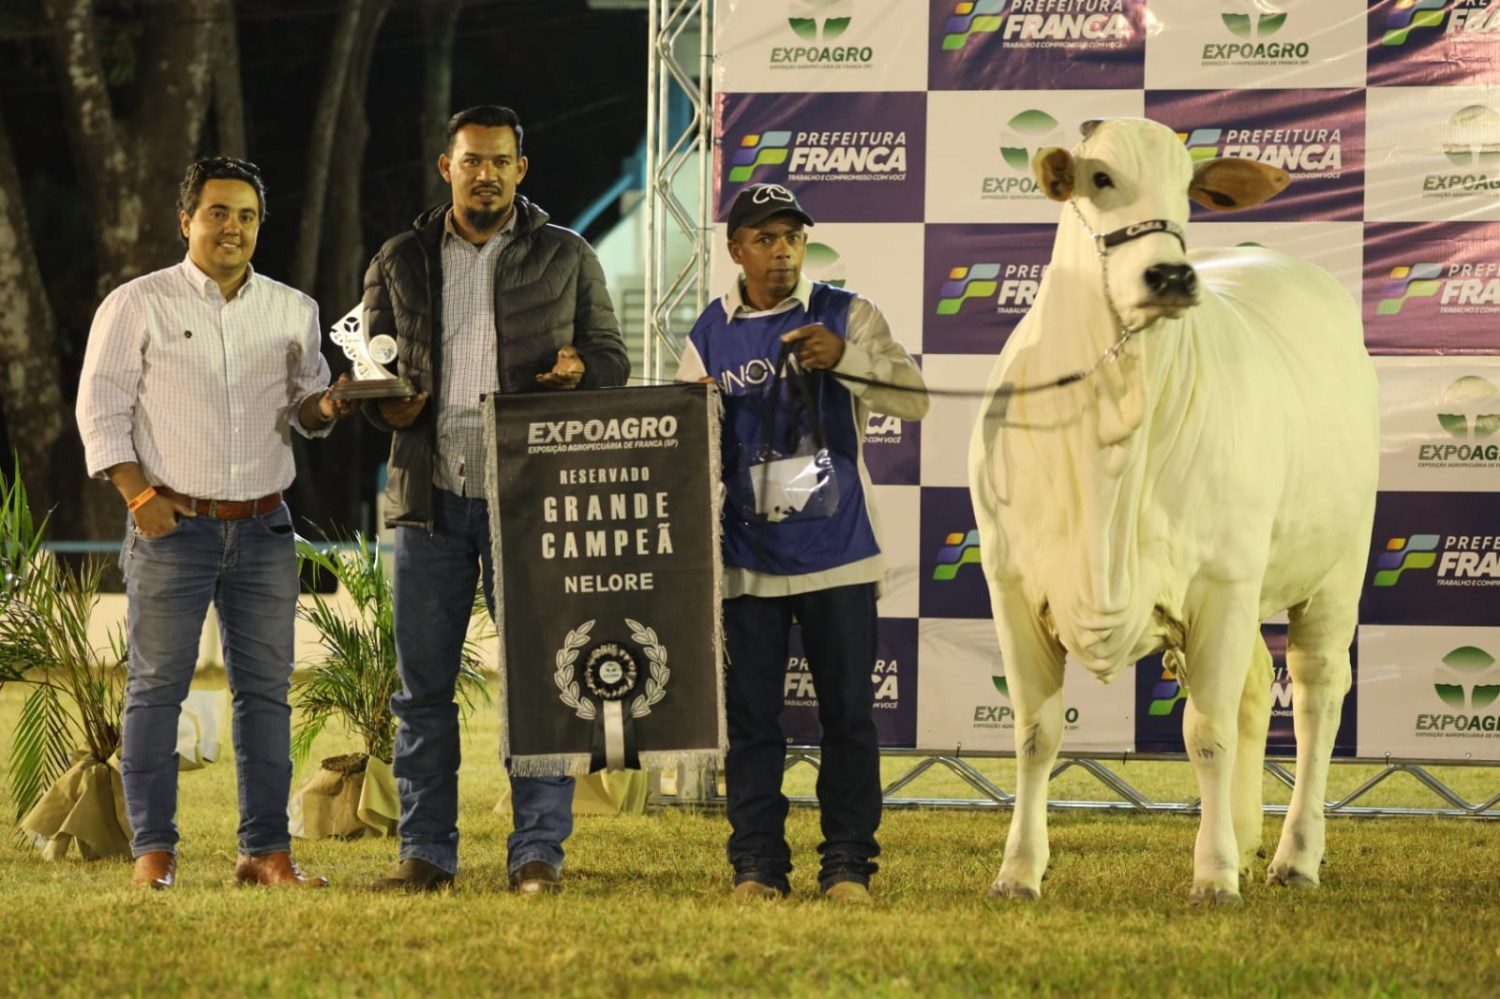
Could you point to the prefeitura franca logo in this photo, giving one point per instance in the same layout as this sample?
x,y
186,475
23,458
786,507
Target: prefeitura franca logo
x,y
1307,153
958,551
1414,552
758,150
1026,24
611,671
1459,20
1447,288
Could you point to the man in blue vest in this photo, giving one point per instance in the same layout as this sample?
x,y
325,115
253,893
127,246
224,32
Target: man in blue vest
x,y
800,538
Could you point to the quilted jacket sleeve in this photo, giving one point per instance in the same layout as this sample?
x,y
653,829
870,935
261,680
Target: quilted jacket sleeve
x,y
379,318
596,331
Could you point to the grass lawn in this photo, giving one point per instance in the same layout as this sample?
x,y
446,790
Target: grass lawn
x,y
1407,907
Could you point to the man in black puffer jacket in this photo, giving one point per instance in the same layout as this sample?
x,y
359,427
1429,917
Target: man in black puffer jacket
x,y
481,296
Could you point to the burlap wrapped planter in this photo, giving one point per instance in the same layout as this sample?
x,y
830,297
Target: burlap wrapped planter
x,y
346,798
87,805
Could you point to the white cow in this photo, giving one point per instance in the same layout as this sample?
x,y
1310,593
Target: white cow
x,y
1217,466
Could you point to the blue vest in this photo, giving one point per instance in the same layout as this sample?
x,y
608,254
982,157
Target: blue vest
x,y
741,354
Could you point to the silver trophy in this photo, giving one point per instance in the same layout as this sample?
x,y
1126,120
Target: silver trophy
x,y
372,380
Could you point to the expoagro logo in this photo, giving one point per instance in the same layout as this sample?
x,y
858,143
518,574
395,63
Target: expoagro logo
x,y
823,263
1471,142
1471,288
1306,152
1252,23
819,20
1020,138
1462,560
958,550
1468,410
1000,716
817,24
1253,18
1462,20
1040,23
1468,686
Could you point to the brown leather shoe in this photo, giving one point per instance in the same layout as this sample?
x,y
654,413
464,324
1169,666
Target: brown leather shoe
x,y
274,870
536,877
157,870
416,875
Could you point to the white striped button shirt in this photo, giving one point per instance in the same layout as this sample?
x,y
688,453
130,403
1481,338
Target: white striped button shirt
x,y
471,368
200,391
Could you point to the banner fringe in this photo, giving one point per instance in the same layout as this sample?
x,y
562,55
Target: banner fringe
x,y
716,476
492,497
577,764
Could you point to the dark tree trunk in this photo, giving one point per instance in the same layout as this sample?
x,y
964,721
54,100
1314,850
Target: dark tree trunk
x,y
129,169
30,381
325,129
229,99
335,472
439,29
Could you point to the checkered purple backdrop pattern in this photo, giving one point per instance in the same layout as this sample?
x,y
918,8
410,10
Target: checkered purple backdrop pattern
x,y
907,127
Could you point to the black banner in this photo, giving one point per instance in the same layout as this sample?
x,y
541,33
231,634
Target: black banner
x,y
604,523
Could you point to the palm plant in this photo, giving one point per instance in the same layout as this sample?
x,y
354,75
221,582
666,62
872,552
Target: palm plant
x,y
77,693
357,676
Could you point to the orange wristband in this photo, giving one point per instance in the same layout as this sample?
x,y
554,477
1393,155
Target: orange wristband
x,y
141,499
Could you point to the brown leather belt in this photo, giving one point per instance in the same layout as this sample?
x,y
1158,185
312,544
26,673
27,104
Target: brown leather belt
x,y
227,509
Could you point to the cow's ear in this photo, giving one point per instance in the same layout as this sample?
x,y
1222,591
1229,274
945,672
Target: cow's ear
x,y
1229,184
1053,168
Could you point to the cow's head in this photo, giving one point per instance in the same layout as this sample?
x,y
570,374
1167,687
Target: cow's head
x,y
1128,173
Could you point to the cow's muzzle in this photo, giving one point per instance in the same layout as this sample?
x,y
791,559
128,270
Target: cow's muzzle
x,y
1169,282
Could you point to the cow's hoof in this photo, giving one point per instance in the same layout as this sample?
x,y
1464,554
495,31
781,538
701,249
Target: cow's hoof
x,y
1287,877
1215,897
1013,889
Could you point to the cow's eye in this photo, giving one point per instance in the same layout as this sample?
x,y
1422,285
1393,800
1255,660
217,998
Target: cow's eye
x,y
1101,180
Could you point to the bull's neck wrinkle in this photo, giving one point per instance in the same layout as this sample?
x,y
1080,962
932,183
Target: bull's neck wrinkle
x,y
1103,453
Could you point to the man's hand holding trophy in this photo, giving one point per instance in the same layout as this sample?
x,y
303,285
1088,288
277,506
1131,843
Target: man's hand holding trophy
x,y
372,379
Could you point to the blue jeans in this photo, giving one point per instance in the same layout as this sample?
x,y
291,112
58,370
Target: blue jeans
x,y
435,579
248,570
838,635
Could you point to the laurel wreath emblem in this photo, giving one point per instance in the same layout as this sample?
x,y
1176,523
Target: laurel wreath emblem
x,y
656,679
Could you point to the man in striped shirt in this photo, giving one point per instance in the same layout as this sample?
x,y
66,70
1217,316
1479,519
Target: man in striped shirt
x,y
193,380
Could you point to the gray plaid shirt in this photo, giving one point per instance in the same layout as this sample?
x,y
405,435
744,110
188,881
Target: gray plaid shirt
x,y
470,365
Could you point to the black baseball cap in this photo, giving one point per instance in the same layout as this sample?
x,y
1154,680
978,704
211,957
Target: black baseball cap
x,y
758,202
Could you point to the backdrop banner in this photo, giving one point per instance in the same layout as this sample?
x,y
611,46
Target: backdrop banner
x,y
605,530
907,129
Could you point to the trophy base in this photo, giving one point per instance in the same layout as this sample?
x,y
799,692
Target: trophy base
x,y
373,388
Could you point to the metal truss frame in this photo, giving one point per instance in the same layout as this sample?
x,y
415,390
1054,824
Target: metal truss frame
x,y
989,795
667,218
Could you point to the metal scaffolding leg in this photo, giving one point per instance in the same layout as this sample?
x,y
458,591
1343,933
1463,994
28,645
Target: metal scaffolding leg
x,y
673,26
